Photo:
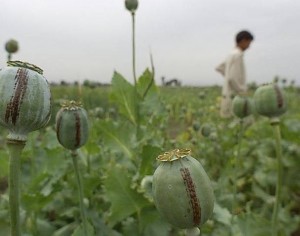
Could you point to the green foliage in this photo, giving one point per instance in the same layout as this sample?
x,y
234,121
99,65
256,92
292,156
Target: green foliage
x,y
125,200
118,136
80,232
125,96
148,152
123,144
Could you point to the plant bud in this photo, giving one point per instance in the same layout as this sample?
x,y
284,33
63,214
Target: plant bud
x,y
270,100
11,46
72,128
146,185
242,106
25,97
182,191
131,5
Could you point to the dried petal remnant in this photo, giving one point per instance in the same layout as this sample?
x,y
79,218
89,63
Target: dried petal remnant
x,y
174,154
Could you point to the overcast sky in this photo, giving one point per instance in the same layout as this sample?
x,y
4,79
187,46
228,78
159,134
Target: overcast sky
x,y
89,39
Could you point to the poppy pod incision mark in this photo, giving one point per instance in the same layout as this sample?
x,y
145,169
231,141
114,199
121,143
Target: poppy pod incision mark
x,y
77,126
191,191
13,107
279,96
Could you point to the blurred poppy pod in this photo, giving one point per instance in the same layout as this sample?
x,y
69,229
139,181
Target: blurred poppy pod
x,y
131,5
11,46
206,129
270,100
242,106
25,97
202,94
72,128
182,190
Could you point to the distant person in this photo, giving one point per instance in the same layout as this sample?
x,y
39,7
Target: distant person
x,y
233,70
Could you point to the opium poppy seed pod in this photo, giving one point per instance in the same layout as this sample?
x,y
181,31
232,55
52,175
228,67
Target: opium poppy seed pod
x,y
270,100
196,126
206,130
72,127
242,106
24,99
131,5
11,46
182,191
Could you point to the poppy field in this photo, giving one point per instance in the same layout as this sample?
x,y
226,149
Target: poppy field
x,y
139,159
127,131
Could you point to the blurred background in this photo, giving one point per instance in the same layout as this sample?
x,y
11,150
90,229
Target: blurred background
x,y
87,40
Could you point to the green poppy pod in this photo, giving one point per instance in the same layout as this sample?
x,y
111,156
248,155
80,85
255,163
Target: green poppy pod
x,y
201,95
242,106
206,130
182,191
99,112
11,46
131,5
196,126
25,97
270,100
72,127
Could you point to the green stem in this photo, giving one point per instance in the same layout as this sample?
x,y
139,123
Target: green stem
x,y
9,57
88,163
133,47
237,165
15,149
276,130
80,192
138,128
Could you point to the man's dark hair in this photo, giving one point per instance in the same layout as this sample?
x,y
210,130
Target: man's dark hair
x,y
243,35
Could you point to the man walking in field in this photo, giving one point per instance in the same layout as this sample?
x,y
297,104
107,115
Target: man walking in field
x,y
233,70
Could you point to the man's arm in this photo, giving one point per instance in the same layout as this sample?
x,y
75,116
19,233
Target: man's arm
x,y
221,68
